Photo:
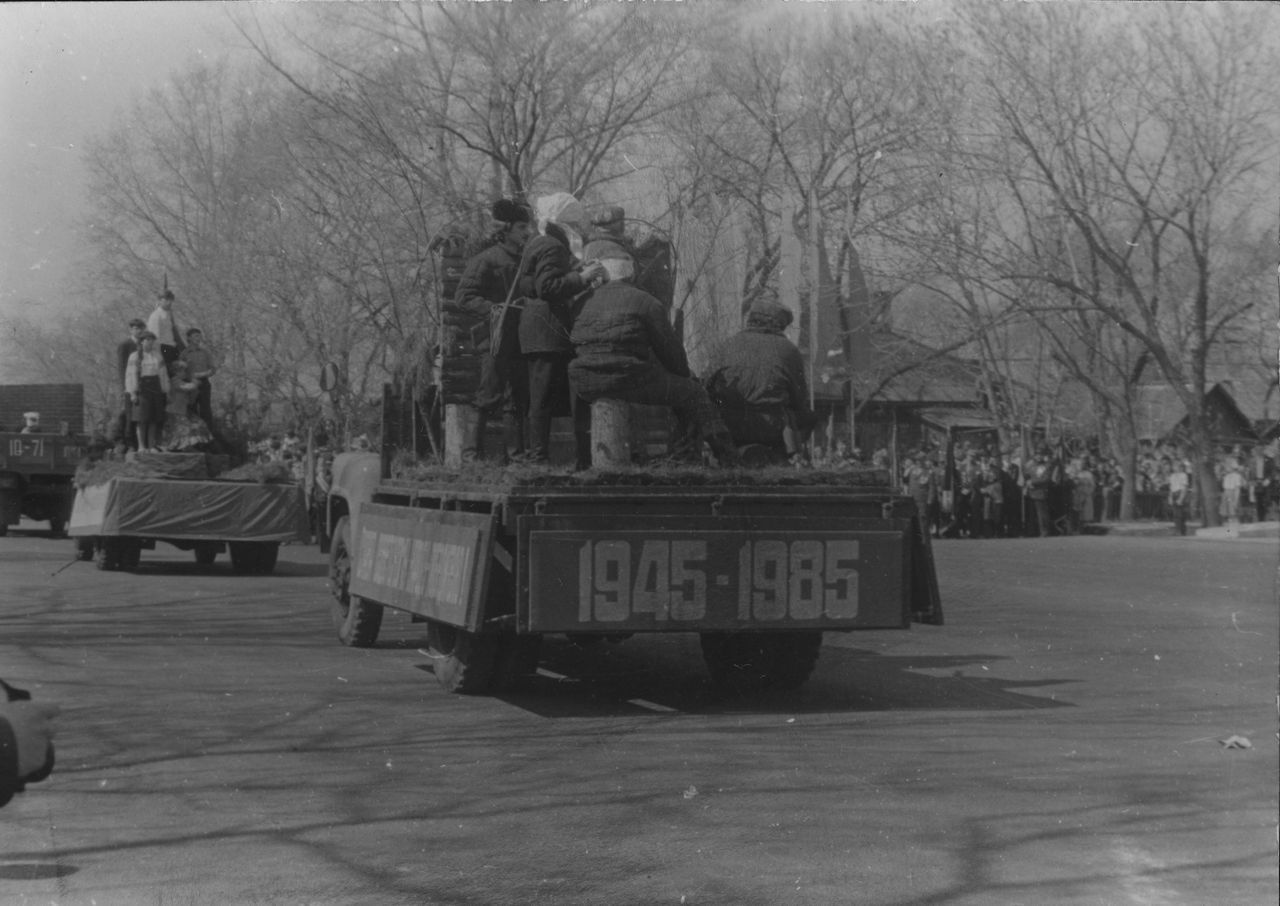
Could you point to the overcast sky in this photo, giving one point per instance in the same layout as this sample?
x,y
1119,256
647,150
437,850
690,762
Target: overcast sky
x,y
66,70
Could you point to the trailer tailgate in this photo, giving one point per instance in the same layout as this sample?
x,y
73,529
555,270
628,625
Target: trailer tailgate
x,y
581,573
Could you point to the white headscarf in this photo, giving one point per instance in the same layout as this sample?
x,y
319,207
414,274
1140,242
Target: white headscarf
x,y
564,210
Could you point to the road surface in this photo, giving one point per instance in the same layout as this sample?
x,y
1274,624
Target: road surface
x,y
1058,741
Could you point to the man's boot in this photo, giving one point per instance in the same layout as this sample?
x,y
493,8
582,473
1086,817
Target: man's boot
x,y
539,438
513,434
473,438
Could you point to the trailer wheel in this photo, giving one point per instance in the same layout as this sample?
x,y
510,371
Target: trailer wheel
x,y
130,553
265,557
464,661
57,526
106,554
242,556
797,656
206,552
84,549
4,528
752,661
515,662
356,619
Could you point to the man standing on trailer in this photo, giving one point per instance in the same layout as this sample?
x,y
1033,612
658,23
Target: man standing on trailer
x,y
485,283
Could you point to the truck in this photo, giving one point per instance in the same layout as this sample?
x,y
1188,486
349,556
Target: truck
x,y
190,501
758,563
36,472
36,469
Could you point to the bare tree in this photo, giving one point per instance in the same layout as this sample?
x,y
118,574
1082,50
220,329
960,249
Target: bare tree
x,y
1141,135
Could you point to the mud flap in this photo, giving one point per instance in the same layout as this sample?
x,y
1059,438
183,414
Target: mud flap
x,y
926,601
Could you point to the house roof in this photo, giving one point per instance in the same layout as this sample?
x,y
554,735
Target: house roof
x,y
1162,414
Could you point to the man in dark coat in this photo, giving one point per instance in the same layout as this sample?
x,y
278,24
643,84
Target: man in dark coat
x,y
552,281
626,349
760,386
126,425
485,282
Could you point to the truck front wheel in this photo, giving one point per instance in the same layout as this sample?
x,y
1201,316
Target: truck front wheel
x,y
752,661
356,619
464,661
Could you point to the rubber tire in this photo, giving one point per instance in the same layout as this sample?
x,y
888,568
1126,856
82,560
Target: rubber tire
x,y
9,782
130,553
42,772
58,527
515,662
358,621
797,657
265,557
464,661
106,554
754,661
4,529
84,549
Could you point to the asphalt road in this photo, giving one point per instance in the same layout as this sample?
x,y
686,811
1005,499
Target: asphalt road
x,y
1057,742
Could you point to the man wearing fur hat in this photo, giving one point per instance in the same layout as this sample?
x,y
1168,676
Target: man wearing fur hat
x,y
485,283
760,386
552,279
626,349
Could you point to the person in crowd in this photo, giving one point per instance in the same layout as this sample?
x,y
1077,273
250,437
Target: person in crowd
x,y
30,423
973,482
938,505
486,283
625,348
1260,480
1232,484
1179,495
164,327
1112,489
26,740
1039,481
917,481
553,282
147,383
993,500
759,384
197,363
1084,485
1011,496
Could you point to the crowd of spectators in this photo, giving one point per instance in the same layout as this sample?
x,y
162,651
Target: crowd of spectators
x,y
996,494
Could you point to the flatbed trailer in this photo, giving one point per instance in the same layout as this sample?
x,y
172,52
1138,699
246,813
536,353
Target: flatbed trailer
x,y
759,568
115,520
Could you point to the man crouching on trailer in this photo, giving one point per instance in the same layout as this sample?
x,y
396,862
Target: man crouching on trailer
x,y
625,349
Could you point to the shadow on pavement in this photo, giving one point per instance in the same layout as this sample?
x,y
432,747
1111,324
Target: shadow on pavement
x,y
667,676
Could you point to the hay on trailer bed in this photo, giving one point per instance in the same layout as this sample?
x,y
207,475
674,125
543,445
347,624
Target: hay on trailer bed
x,y
490,476
179,467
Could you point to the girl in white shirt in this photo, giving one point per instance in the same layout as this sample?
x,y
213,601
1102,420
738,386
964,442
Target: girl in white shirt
x,y
146,381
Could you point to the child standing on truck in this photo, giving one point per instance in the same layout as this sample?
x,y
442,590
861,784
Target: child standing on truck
x,y
146,380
